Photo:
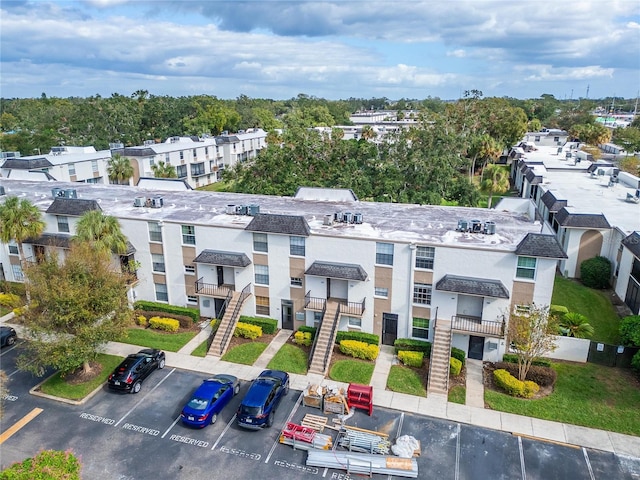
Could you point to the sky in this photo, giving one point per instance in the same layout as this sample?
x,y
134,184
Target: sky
x,y
279,49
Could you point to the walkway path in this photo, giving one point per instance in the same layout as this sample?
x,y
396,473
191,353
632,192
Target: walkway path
x,y
475,383
276,344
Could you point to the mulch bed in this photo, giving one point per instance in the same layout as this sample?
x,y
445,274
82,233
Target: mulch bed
x,y
489,383
78,376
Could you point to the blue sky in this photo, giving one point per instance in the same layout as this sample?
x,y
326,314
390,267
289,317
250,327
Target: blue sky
x,y
332,49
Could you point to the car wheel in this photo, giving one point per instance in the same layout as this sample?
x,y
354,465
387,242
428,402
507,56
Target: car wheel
x,y
236,389
11,341
270,420
161,364
286,389
136,387
214,417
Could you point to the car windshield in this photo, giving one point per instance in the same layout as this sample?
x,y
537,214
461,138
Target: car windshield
x,y
198,403
244,410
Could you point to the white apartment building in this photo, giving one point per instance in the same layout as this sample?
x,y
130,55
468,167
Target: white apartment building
x,y
396,270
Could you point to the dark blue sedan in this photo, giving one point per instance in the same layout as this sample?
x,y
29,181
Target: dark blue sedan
x,y
209,399
258,407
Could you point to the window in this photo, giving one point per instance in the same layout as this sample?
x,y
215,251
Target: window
x,y
18,276
381,292
522,309
13,248
206,151
262,306
72,169
424,257
422,293
262,274
63,224
296,246
188,235
157,262
192,299
161,292
189,269
296,282
354,322
526,268
420,328
384,253
195,155
167,159
181,171
536,138
556,139
94,166
317,318
260,242
181,155
155,232
197,169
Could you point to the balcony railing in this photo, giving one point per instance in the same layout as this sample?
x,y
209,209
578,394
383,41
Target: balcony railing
x,y
352,308
213,290
466,323
346,308
314,303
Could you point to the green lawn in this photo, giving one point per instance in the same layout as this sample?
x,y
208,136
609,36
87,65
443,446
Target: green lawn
x,y
201,350
246,354
593,304
458,394
406,380
58,387
352,371
585,394
169,342
291,359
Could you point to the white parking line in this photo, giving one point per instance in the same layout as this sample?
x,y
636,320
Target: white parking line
x,y
400,423
10,348
172,425
233,419
295,409
143,398
18,369
456,474
586,459
524,472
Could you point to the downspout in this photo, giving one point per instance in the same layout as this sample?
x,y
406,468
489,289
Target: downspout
x,y
412,260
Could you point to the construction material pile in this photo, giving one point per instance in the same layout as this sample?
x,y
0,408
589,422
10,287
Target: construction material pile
x,y
335,401
312,396
406,446
366,441
362,463
304,438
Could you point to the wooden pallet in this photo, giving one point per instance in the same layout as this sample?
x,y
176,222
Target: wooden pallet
x,y
315,422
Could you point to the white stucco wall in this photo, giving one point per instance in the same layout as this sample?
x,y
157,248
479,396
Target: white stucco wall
x,y
571,349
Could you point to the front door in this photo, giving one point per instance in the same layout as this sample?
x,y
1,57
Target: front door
x,y
220,272
476,347
287,315
328,288
389,328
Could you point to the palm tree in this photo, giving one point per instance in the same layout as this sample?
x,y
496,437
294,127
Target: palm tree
x,y
368,133
575,324
163,170
19,220
119,170
495,179
101,231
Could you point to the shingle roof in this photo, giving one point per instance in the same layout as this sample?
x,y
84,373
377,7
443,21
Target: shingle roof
x,y
217,257
346,271
632,242
283,224
552,203
581,220
27,163
473,286
531,176
72,206
51,239
540,245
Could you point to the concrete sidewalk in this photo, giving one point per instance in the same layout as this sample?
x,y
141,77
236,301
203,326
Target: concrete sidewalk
x,y
434,405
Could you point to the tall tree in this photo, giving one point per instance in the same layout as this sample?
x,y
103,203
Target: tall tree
x,y
101,231
163,170
119,170
495,180
82,304
19,220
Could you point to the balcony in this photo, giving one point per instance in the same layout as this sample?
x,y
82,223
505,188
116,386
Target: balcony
x,y
346,308
476,325
213,290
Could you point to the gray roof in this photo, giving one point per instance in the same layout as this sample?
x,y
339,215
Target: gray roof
x,y
284,224
532,177
51,239
217,257
473,286
552,203
540,245
594,166
581,220
346,271
27,163
72,206
632,242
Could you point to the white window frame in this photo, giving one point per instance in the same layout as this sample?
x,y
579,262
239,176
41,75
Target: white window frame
x,y
526,272
297,246
263,305
189,269
155,232
63,223
260,242
188,234
192,299
157,263
296,281
384,253
381,292
162,292
261,273
13,248
415,328
422,293
18,274
425,257
354,322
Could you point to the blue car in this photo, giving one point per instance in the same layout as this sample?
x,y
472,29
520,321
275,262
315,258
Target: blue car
x,y
259,404
208,400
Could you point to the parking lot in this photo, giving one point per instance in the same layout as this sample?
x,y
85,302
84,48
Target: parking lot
x,y
124,436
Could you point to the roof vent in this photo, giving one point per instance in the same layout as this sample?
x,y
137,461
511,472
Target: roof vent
x,y
463,226
241,209
489,228
231,210
476,226
328,220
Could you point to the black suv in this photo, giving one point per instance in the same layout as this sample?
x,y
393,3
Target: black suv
x,y
7,336
128,376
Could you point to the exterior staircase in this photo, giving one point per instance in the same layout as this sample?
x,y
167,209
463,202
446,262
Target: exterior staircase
x,y
228,324
325,339
439,361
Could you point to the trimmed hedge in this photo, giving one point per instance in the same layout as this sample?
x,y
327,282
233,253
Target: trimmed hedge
x,y
369,338
164,308
10,300
455,366
411,358
311,330
185,321
543,376
268,325
513,386
247,330
595,272
513,358
163,323
16,288
142,320
409,344
458,354
303,338
358,349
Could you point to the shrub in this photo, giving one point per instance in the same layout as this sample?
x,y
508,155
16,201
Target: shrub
x,y
10,300
543,376
409,344
595,272
185,321
411,359
268,325
163,323
635,362
142,320
458,354
16,288
164,308
558,310
530,388
369,338
247,330
311,330
303,338
630,330
358,349
48,464
455,366
513,358
513,386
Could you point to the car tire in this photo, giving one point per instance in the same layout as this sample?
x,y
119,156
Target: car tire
x,y
136,387
214,417
236,389
270,420
11,341
161,364
286,390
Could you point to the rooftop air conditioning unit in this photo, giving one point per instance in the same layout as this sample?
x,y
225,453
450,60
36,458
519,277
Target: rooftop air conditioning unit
x,y
70,193
157,202
253,209
148,142
357,218
328,220
138,202
476,226
489,228
57,192
347,217
241,209
231,210
463,226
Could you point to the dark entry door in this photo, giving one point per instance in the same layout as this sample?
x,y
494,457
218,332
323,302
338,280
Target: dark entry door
x,y
632,298
389,328
287,314
476,347
220,272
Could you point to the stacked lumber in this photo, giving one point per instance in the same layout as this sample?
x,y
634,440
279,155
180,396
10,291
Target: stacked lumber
x,y
335,402
312,396
316,422
362,463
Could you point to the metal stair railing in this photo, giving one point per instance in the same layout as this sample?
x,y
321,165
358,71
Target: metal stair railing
x,y
236,311
315,339
331,338
219,317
